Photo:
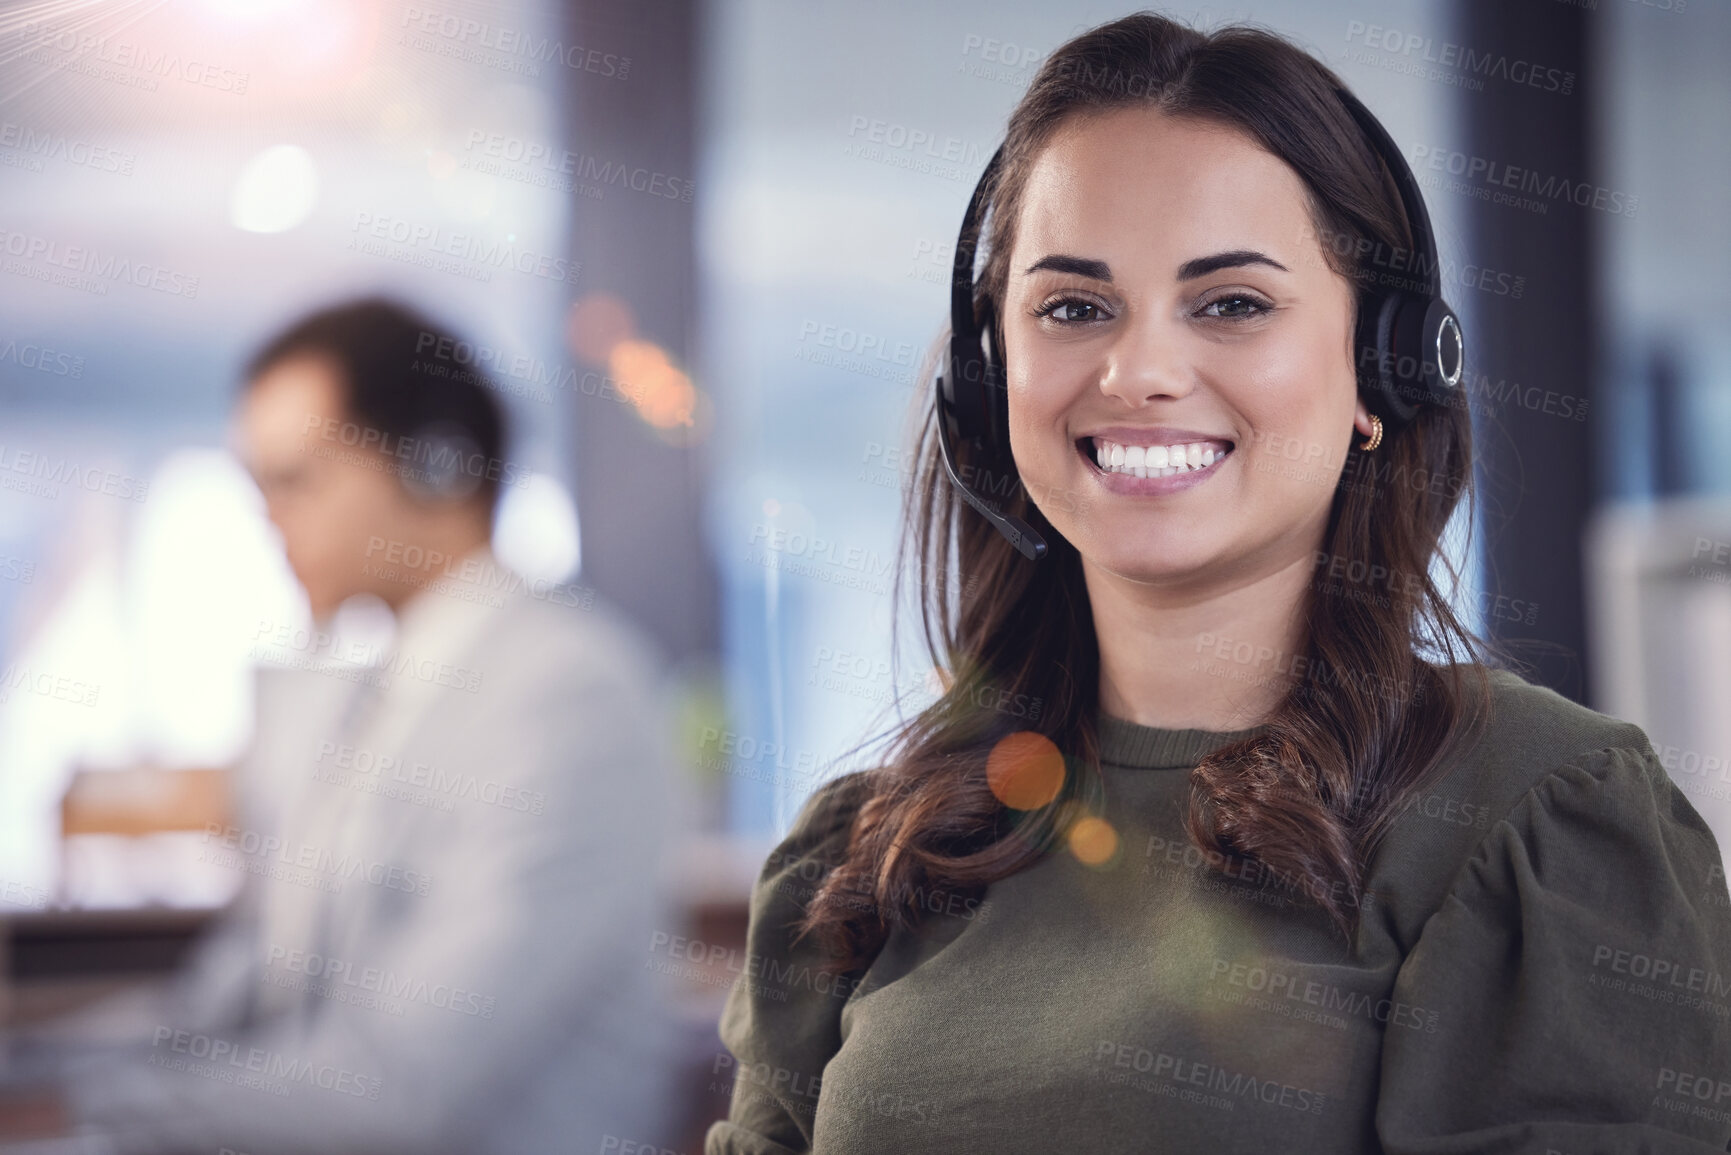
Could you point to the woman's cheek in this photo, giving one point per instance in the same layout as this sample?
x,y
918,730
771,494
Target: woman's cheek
x,y
1032,417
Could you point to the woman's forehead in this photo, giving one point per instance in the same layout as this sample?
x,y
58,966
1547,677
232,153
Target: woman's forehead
x,y
1157,182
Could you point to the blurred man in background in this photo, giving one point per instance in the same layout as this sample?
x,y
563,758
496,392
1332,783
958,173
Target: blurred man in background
x,y
455,841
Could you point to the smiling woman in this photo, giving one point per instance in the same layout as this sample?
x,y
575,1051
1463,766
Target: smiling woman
x,y
1282,863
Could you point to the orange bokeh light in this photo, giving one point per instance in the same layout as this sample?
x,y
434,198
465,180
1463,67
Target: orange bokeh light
x,y
1025,770
662,393
596,324
1093,840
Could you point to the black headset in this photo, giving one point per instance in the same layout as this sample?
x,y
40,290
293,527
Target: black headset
x,y
1409,344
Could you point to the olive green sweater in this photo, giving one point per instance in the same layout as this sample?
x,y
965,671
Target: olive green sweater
x,y
1544,965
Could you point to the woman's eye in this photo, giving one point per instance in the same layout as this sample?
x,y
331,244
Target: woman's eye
x,y
1071,312
1234,307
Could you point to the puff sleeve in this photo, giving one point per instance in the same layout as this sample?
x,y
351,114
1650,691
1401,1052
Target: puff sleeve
x,y
782,1019
1580,965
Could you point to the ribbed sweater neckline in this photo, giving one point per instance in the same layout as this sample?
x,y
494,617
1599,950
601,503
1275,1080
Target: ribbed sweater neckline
x,y
1131,746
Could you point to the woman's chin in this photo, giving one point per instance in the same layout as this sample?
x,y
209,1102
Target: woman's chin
x,y
1150,564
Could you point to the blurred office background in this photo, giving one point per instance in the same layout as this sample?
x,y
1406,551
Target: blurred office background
x,y
703,248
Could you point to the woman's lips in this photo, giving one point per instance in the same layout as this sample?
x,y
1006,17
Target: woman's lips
x,y
1090,449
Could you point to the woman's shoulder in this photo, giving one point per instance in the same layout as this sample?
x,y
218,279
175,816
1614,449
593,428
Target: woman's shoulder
x,y
1530,733
816,843
828,811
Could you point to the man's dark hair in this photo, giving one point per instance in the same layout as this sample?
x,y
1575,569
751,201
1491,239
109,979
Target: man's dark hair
x,y
404,391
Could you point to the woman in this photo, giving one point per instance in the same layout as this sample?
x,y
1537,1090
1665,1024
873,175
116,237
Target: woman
x,y
1222,837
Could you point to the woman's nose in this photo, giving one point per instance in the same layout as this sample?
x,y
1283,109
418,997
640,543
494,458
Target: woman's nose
x,y
1147,363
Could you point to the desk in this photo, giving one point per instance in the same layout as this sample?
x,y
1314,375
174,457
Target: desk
x,y
56,961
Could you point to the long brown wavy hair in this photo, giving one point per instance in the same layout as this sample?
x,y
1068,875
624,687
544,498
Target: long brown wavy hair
x,y
1395,680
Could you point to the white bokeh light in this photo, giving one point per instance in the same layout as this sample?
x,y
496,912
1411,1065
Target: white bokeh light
x,y
536,530
276,191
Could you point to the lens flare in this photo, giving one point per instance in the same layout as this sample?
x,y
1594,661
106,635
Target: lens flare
x,y
1025,770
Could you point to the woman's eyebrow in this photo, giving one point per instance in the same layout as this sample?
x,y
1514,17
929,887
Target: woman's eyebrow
x,y
1080,266
1202,266
1190,270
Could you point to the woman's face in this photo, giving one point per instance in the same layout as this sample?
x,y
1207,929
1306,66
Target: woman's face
x,y
1166,288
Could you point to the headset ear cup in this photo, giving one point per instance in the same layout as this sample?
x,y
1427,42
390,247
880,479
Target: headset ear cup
x,y
1428,350
1441,349
994,383
1378,358
960,388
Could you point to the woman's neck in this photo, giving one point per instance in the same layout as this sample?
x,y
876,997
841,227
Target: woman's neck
x,y
1219,659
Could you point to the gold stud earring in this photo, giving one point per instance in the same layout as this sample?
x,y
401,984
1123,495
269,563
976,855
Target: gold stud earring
x,y
1375,438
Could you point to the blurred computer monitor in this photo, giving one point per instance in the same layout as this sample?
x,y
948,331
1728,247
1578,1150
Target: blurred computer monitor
x,y
1659,606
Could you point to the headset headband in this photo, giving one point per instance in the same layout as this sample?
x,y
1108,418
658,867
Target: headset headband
x,y
1406,185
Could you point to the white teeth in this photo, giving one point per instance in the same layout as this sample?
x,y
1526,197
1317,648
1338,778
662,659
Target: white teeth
x,y
1156,460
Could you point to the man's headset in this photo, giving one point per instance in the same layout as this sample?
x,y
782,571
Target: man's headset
x,y
443,474
1409,345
